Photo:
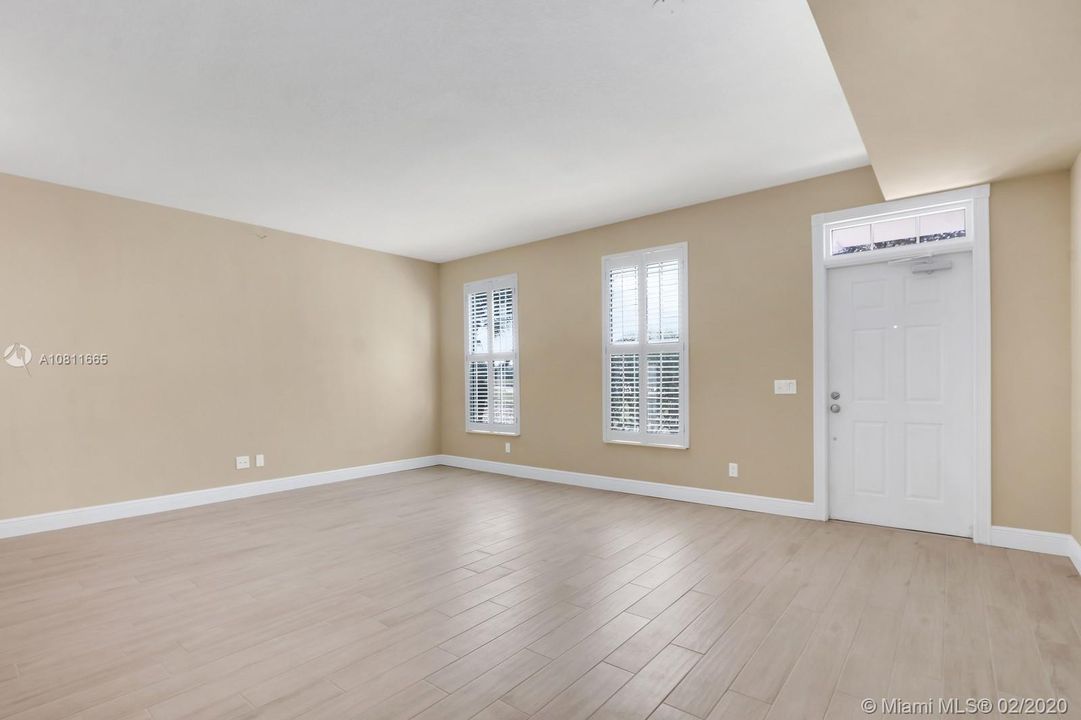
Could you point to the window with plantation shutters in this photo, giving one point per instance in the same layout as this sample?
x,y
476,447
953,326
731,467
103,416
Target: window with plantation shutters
x,y
491,356
645,347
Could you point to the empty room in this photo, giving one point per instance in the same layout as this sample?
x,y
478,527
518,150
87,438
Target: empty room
x,y
497,359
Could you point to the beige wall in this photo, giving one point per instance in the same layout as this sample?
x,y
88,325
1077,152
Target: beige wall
x,y
325,356
220,343
1075,306
750,322
1030,352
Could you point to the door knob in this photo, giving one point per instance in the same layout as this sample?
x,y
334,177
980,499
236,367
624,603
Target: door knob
x,y
835,408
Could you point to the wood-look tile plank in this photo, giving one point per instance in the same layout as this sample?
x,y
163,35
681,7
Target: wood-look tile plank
x,y
233,707
661,597
406,703
667,712
465,669
847,707
708,681
379,689
588,693
818,586
76,697
1062,662
636,653
869,662
919,650
503,621
645,691
569,633
561,673
715,620
898,564
998,585
767,669
295,704
1015,656
481,692
1043,599
734,706
408,648
809,687
500,710
916,688
967,670
1069,585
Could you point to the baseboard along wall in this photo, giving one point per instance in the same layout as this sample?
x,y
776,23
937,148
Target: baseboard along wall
x,y
1015,538
163,503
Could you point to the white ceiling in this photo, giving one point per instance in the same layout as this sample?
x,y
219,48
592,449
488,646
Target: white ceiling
x,y
430,129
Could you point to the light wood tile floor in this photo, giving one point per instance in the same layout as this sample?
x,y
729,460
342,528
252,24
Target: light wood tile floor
x,y
443,593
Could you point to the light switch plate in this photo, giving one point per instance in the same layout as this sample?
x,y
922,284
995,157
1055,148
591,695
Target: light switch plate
x,y
784,387
733,469
243,462
260,461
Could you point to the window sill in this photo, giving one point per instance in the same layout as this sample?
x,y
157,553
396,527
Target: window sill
x,y
636,443
500,433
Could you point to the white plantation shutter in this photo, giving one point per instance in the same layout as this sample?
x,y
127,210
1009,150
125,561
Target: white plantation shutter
x,y
478,318
662,301
503,336
663,393
477,378
645,347
623,304
491,356
625,397
504,395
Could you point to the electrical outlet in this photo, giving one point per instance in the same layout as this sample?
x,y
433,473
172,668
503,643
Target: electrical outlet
x,y
506,448
243,462
733,469
260,461
784,387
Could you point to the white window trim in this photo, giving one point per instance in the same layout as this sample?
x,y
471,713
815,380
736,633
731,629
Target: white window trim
x,y
489,285
643,347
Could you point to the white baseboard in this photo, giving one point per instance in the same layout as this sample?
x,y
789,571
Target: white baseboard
x,y
721,498
1015,538
162,503
1075,553
1039,541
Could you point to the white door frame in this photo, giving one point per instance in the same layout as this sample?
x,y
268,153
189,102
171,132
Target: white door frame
x,y
976,199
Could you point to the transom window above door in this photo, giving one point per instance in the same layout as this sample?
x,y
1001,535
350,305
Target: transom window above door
x,y
930,229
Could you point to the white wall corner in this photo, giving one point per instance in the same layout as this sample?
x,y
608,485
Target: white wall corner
x,y
1049,543
1075,552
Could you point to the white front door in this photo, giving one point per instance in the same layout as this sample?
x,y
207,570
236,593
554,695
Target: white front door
x,y
901,400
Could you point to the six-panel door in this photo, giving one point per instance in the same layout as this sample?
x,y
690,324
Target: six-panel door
x,y
900,361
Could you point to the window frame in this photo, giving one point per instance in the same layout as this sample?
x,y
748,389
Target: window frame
x,y
491,285
643,347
